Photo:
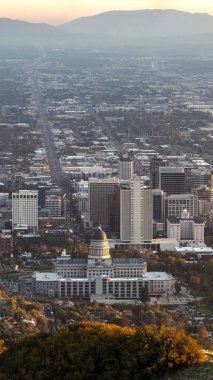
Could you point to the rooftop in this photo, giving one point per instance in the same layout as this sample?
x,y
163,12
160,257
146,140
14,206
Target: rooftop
x,y
161,276
46,276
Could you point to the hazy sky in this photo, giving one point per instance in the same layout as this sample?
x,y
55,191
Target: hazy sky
x,y
59,11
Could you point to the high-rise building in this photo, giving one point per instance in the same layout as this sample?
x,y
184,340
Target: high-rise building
x,y
41,194
172,180
176,203
100,191
205,200
25,209
186,229
4,197
200,178
158,204
136,214
81,200
155,164
114,213
125,168
125,214
148,215
53,202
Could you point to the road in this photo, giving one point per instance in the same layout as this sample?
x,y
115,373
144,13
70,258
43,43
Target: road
x,y
116,143
52,157
53,160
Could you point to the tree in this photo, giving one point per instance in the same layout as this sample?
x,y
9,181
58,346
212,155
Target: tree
x,y
2,347
202,331
177,287
99,351
144,293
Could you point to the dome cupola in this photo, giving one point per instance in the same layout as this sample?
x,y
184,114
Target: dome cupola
x,y
99,246
99,234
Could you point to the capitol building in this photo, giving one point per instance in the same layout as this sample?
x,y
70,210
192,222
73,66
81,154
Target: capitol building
x,y
100,277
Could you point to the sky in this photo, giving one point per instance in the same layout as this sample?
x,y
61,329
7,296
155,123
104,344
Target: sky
x,y
59,11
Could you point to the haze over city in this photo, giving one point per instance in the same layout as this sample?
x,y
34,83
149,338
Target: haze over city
x,y
59,11
106,189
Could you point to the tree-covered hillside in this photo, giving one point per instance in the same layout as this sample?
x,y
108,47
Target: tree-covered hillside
x,y
87,351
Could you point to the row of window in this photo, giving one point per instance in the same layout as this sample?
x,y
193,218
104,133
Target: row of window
x,y
25,196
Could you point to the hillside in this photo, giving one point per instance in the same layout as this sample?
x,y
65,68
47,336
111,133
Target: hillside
x,y
99,351
16,33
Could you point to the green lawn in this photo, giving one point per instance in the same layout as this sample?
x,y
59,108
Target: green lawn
x,y
202,371
206,308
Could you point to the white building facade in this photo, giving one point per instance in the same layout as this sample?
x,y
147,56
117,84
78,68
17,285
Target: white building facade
x,y
25,209
186,229
125,168
102,278
136,213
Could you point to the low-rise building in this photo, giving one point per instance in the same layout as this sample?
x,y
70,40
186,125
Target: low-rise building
x,y
100,277
45,283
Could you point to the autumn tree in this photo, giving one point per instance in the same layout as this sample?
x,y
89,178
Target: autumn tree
x,y
2,346
87,351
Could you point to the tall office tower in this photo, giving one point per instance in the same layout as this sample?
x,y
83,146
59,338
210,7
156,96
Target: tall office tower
x,y
125,168
25,209
41,194
125,214
205,200
195,179
175,204
53,202
172,180
114,212
99,191
206,178
148,215
200,178
4,197
82,202
158,204
155,164
136,213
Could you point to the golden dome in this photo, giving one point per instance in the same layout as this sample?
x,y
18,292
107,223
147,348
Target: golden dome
x,y
99,234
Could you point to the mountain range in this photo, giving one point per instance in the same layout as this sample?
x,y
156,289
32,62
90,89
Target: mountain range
x,y
115,28
144,23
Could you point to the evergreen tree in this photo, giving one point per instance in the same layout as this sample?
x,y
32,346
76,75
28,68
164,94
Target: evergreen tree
x,y
144,294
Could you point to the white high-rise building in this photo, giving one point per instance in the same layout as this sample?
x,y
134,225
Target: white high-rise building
x,y
176,203
136,213
186,229
125,168
137,210
25,209
125,214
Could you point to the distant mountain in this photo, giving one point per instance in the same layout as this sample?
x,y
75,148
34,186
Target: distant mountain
x,y
148,29
16,33
143,24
